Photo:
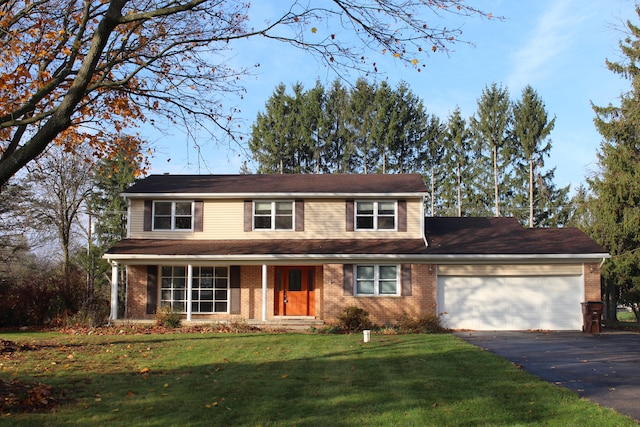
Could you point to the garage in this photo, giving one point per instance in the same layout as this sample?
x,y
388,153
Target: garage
x,y
518,297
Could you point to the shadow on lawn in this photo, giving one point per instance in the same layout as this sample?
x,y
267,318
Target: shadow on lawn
x,y
387,382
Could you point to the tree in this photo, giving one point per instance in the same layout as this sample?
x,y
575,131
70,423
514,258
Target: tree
x,y
458,149
616,186
431,154
492,128
60,185
531,127
80,72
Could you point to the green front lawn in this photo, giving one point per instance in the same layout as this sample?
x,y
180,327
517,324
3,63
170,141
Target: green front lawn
x,y
207,379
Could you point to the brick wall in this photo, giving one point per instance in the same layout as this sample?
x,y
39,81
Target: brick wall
x,y
422,301
592,282
137,293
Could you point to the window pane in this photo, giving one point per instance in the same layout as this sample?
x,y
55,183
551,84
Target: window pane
x,y
295,280
386,223
284,208
206,307
386,208
365,222
221,295
365,272
206,295
206,282
180,271
166,271
221,271
162,223
183,208
364,208
263,208
221,283
388,272
165,295
388,287
221,307
263,222
284,222
178,295
162,208
179,306
183,223
365,287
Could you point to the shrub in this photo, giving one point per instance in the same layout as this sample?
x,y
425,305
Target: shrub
x,y
421,325
354,319
166,316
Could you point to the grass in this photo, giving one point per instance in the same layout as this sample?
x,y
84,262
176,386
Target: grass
x,y
192,379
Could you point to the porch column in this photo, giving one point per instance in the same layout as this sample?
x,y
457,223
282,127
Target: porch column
x,y
264,292
189,286
114,291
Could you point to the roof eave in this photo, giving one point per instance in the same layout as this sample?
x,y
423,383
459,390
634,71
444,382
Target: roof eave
x,y
258,195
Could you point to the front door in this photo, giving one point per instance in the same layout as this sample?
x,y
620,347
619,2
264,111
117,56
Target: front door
x,y
295,291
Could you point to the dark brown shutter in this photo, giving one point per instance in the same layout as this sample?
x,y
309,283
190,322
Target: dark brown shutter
x,y
299,204
152,289
198,208
148,215
405,275
248,215
347,273
349,213
402,215
234,284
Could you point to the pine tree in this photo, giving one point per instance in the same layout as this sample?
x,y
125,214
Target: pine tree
x,y
616,187
457,156
531,127
492,125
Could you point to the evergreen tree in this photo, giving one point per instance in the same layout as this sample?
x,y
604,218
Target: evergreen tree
x,y
616,186
362,122
531,127
456,159
430,157
339,152
492,127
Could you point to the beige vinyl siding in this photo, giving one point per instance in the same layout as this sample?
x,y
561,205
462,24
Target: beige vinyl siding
x,y
511,270
324,219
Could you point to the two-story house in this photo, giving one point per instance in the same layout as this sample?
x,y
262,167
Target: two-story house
x,y
267,248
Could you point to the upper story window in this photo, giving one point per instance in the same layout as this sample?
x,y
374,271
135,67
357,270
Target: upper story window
x,y
173,215
273,215
375,215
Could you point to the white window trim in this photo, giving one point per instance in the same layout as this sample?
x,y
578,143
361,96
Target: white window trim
x,y
375,215
173,215
273,215
376,280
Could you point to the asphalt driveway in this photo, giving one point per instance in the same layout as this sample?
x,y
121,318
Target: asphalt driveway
x,y
604,368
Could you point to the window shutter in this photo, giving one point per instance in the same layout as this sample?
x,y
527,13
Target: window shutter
x,y
148,215
402,215
347,273
234,284
152,289
299,206
248,215
349,213
198,208
406,279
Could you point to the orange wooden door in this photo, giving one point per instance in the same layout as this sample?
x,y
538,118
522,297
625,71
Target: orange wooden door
x,y
295,291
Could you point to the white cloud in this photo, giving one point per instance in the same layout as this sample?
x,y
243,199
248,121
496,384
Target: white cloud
x,y
555,31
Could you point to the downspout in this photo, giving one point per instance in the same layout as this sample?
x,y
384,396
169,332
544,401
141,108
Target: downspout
x,y
114,291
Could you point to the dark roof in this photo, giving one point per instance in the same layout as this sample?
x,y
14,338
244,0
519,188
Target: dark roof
x,y
292,183
445,236
268,247
503,236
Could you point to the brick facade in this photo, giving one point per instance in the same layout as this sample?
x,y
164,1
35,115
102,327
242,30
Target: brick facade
x,y
330,297
592,289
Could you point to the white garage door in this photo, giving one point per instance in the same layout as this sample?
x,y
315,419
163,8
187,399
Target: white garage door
x,y
511,302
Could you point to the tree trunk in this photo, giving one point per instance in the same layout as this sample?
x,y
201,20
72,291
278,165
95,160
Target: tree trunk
x,y
495,178
531,192
459,191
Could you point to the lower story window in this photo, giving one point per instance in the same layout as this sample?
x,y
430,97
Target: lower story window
x,y
377,279
209,289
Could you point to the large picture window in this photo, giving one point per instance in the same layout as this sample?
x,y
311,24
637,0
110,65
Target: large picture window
x,y
273,215
172,215
375,215
209,289
377,280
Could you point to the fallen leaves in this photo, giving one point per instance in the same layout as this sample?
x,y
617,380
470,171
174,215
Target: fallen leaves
x,y
18,396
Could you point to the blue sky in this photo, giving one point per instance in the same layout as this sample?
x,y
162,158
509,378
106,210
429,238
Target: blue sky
x,y
558,47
